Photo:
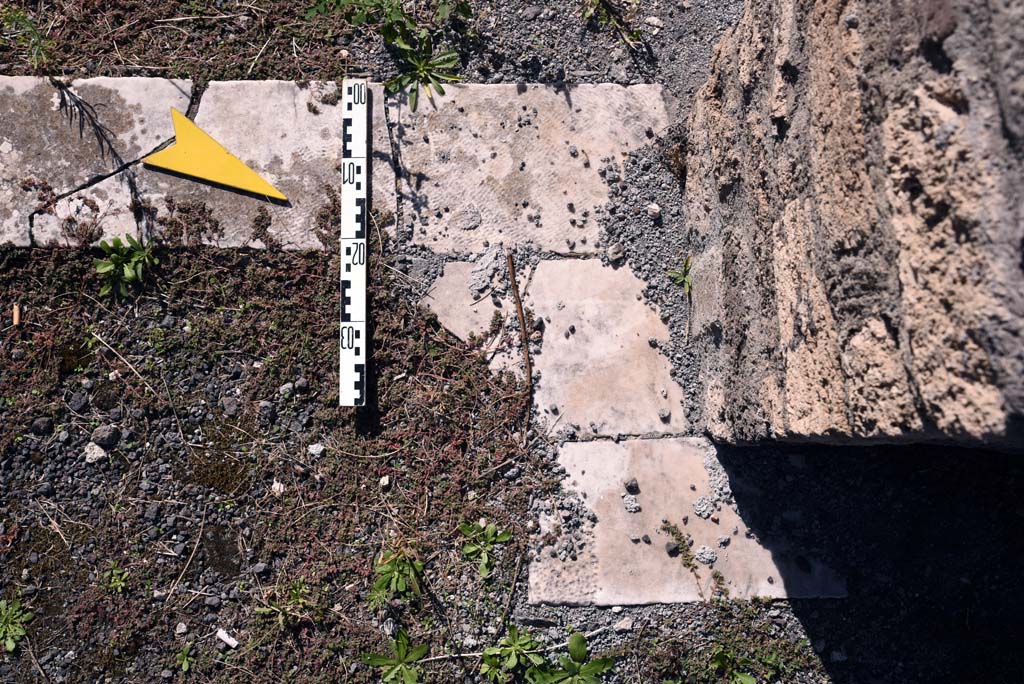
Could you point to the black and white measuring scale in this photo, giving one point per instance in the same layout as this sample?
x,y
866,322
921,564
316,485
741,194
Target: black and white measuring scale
x,y
355,172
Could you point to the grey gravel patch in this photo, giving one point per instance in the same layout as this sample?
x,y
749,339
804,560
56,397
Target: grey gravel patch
x,y
704,507
705,555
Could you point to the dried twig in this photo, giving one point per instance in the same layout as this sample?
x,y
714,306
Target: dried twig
x,y
127,363
195,547
525,338
260,53
32,656
512,591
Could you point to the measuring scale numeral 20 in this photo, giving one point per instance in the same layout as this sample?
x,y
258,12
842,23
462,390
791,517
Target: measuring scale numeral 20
x,y
355,171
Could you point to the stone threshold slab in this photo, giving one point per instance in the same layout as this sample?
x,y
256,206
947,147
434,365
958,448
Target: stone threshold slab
x,y
481,165
627,558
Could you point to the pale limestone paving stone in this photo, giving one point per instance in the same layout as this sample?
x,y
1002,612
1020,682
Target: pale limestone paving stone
x,y
453,302
39,142
614,570
292,136
485,158
606,373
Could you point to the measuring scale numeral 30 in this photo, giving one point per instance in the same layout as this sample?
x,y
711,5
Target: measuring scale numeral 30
x,y
355,170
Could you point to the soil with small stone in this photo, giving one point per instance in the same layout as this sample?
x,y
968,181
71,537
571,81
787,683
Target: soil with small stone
x,y
190,438
504,42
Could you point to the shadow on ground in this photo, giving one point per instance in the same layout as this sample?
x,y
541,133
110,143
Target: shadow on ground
x,y
929,540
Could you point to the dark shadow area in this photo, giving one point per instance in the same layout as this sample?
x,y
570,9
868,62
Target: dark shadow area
x,y
928,539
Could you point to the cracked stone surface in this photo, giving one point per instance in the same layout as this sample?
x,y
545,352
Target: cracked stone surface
x,y
291,136
519,163
613,569
455,305
62,150
604,376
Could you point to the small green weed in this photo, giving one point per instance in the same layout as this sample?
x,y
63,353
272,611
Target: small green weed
x,y
295,607
399,574
12,623
413,33
184,658
400,667
681,276
482,540
423,69
126,264
616,16
17,26
116,578
577,668
518,655
732,668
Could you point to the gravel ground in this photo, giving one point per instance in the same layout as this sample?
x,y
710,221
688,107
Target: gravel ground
x,y
504,42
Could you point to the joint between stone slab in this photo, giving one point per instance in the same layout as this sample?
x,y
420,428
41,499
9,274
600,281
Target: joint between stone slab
x,y
622,437
196,98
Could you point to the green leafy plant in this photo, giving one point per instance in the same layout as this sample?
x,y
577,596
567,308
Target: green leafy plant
x,y
614,15
413,31
681,276
126,264
423,69
293,609
399,573
184,658
732,668
17,26
116,578
13,619
482,540
400,667
577,668
517,654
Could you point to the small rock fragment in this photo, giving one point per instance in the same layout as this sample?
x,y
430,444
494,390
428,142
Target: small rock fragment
x,y
615,253
230,406
42,425
653,211
704,507
623,625
106,436
632,486
706,555
227,638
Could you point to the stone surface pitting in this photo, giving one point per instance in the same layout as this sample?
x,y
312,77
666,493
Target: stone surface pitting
x,y
47,150
613,569
605,373
491,162
488,164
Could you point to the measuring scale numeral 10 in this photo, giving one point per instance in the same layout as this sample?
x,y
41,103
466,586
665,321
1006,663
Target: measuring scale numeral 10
x,y
355,171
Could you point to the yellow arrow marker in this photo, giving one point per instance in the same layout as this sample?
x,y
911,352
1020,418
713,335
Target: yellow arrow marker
x,y
194,153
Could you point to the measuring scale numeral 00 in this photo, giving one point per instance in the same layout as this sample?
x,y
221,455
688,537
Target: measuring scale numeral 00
x,y
355,170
